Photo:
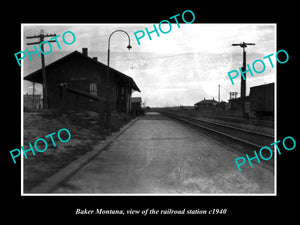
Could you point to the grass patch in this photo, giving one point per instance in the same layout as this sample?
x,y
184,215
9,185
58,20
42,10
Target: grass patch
x,y
44,164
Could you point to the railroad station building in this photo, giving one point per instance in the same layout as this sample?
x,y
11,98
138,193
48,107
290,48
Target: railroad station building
x,y
206,105
79,71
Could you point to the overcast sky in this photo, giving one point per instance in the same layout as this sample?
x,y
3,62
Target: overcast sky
x,y
178,68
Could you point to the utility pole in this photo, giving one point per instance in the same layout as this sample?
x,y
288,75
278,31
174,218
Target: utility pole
x,y
33,90
41,37
243,81
219,94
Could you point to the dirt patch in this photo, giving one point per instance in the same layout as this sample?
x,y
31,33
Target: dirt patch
x,y
84,136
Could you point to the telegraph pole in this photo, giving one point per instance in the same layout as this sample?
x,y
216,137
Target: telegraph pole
x,y
33,90
41,37
219,94
243,81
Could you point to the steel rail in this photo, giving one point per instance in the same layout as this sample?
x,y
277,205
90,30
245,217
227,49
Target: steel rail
x,y
187,120
240,120
231,127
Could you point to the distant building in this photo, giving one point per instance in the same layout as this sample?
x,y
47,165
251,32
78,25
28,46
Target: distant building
x,y
206,105
136,105
222,106
32,101
81,72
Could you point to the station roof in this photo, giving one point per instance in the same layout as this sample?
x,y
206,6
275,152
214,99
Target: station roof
x,y
38,78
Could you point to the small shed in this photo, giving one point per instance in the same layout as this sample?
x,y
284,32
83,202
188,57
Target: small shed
x,y
136,105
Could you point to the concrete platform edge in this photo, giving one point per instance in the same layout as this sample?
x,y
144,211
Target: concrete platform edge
x,y
51,183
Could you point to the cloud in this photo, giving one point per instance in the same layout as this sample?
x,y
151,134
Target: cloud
x,y
181,67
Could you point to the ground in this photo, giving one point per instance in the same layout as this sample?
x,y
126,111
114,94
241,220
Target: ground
x,y
157,155
84,136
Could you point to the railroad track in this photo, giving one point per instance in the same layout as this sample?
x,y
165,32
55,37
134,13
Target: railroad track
x,y
236,119
251,138
256,122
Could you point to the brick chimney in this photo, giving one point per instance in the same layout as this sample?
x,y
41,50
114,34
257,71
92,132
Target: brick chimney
x,y
85,51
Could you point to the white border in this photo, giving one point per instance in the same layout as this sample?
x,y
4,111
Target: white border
x,y
161,194
275,117
22,113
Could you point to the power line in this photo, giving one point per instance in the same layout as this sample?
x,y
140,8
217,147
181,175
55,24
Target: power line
x,y
157,57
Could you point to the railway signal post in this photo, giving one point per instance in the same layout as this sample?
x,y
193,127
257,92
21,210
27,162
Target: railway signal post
x,y
243,80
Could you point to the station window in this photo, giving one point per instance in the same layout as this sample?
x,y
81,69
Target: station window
x,y
93,89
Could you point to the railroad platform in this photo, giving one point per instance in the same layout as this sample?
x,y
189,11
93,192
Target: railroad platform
x,y
158,155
